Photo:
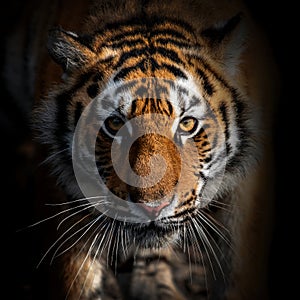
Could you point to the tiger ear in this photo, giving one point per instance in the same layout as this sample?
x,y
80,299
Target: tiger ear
x,y
226,41
68,50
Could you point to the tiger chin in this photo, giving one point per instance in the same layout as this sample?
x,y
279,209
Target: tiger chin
x,y
158,130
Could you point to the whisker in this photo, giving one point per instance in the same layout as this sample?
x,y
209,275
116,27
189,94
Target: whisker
x,y
218,248
221,203
115,249
123,241
204,246
82,264
50,157
206,241
208,220
201,258
90,225
45,161
89,270
79,211
102,240
189,254
54,216
109,240
51,247
73,201
125,238
198,254
88,239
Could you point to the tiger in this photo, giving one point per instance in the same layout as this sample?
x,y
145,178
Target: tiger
x,y
155,119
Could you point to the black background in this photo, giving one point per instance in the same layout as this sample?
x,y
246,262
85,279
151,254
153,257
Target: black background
x,y
20,248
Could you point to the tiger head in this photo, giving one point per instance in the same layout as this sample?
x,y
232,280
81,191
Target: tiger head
x,y
148,125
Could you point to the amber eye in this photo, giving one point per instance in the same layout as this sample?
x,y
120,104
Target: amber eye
x,y
188,125
113,124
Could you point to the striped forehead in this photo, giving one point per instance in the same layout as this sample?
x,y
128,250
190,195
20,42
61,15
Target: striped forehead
x,y
153,95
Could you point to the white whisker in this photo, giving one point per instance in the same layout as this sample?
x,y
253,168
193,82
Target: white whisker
x,y
82,264
205,218
116,248
74,201
51,247
123,241
90,225
45,161
188,251
109,240
79,211
56,215
203,241
207,242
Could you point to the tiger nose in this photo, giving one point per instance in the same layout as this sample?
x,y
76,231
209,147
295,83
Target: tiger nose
x,y
152,210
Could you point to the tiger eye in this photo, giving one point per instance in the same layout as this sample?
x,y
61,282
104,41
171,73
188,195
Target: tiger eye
x,y
113,124
188,124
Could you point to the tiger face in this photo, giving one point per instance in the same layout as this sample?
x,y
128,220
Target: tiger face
x,y
143,128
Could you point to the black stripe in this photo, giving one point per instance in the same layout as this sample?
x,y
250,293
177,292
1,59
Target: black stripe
x,y
124,72
239,106
156,103
154,64
240,117
221,156
223,110
93,90
126,86
145,105
168,31
129,54
185,212
197,137
98,77
134,32
141,66
170,107
175,71
206,84
207,159
129,43
133,107
224,115
200,175
104,137
182,90
171,54
139,52
169,41
188,201
193,102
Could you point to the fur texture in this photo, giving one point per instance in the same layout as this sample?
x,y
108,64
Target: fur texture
x,y
169,106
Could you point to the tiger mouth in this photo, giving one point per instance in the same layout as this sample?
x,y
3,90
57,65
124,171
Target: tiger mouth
x,y
154,234
154,210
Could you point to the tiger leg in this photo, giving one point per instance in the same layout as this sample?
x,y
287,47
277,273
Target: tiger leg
x,y
82,277
152,279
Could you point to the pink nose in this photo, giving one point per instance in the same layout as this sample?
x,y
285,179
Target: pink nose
x,y
153,211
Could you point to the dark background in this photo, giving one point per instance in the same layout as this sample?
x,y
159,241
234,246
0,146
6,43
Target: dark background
x,y
21,249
